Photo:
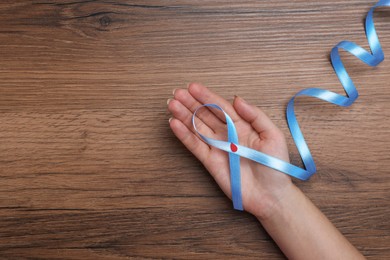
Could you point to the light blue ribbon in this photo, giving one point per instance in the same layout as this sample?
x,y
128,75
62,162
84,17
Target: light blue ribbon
x,y
236,151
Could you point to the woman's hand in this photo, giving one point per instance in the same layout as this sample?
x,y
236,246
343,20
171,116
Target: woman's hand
x,y
262,187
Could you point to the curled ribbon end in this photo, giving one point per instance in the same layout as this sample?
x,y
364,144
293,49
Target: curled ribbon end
x,y
371,59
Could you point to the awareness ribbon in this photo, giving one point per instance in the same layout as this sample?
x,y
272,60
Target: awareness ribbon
x,y
236,151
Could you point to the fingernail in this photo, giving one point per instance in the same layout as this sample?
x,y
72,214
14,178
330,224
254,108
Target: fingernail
x,y
170,119
173,92
169,100
243,100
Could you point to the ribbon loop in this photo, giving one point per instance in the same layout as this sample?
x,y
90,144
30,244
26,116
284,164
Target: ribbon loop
x,y
236,151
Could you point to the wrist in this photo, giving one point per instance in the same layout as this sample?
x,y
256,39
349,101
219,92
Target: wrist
x,y
272,204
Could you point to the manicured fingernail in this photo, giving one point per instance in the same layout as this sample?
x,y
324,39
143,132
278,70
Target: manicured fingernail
x,y
173,92
170,119
169,100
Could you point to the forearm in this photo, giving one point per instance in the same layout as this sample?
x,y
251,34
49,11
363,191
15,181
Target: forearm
x,y
303,232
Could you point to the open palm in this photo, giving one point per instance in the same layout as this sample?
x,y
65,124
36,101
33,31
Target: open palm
x,y
261,186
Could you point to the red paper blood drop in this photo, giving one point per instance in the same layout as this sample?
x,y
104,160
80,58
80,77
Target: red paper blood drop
x,y
233,147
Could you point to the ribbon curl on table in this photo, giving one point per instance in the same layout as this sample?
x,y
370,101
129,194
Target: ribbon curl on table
x,y
236,151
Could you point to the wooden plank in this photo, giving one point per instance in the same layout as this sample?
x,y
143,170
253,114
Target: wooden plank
x,y
89,167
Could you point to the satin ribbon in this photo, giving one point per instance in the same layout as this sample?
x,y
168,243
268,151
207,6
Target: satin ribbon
x,y
236,150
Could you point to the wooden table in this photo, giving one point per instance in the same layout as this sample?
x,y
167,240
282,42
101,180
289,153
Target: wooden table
x,y
89,168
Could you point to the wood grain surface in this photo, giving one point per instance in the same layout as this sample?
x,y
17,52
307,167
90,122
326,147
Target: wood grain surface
x,y
89,168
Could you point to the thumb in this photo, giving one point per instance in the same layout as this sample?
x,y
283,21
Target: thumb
x,y
254,116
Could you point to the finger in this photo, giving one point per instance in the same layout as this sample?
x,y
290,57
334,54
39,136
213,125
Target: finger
x,y
256,117
180,112
196,146
204,114
206,96
202,151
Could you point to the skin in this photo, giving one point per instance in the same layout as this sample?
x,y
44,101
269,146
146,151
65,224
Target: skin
x,y
296,225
